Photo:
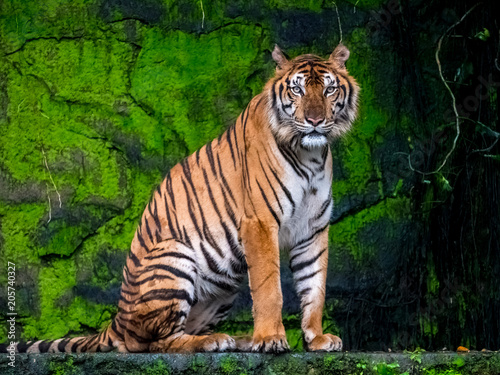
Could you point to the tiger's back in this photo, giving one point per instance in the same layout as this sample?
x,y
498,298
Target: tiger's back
x,y
228,209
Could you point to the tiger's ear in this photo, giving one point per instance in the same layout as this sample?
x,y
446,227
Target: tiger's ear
x,y
339,56
279,57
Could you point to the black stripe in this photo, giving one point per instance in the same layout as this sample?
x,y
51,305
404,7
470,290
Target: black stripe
x,y
141,240
212,264
89,342
323,208
349,99
186,238
301,242
245,118
133,334
172,316
308,276
239,267
233,245
62,345
270,185
228,137
154,214
210,156
134,259
268,204
174,254
303,292
166,295
273,91
212,199
197,154
229,210
114,329
146,280
158,190
75,345
224,181
190,211
220,284
206,231
148,230
128,292
44,346
22,347
303,65
235,143
172,270
158,237
302,265
168,186
284,188
169,219
292,162
246,173
110,341
211,241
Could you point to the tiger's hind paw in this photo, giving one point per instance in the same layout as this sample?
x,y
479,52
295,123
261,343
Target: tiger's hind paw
x,y
271,344
325,343
217,342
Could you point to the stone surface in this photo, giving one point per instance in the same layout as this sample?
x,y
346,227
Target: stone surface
x,y
444,363
99,98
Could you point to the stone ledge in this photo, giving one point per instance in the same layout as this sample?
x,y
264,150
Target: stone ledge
x,y
359,363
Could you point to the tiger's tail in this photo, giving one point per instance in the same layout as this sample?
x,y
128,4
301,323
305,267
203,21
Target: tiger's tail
x,y
100,342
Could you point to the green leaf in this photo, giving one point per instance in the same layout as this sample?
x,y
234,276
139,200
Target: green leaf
x,y
459,362
483,35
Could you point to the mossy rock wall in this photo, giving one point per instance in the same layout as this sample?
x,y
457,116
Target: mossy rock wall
x,y
99,98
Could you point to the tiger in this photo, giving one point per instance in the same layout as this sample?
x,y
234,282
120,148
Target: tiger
x,y
226,211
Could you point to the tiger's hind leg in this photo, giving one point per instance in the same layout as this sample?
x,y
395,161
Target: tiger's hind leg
x,y
158,295
195,334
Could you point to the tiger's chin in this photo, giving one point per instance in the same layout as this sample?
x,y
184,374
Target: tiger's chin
x,y
312,141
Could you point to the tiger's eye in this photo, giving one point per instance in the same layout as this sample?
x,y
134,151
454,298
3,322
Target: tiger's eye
x,y
330,89
296,90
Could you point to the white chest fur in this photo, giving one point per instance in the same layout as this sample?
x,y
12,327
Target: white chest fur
x,y
312,198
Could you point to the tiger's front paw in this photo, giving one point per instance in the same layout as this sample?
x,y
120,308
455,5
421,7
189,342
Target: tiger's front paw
x,y
270,344
325,343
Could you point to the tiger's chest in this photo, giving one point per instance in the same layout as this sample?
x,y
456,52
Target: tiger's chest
x,y
312,202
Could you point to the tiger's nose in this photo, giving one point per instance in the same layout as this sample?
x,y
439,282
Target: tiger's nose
x,y
315,121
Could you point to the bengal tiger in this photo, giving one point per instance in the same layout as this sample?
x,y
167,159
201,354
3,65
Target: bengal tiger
x,y
228,209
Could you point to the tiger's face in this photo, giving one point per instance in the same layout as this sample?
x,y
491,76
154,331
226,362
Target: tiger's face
x,y
313,100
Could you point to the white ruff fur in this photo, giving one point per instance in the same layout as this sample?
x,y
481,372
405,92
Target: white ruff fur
x,y
313,141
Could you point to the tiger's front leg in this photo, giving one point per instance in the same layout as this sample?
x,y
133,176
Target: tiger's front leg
x,y
308,262
260,241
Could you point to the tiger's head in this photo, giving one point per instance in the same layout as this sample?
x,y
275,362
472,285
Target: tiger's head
x,y
312,100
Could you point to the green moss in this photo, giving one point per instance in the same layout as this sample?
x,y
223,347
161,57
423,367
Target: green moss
x,y
57,316
66,367
230,365
183,76
344,235
199,364
19,228
158,368
314,5
387,368
24,20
